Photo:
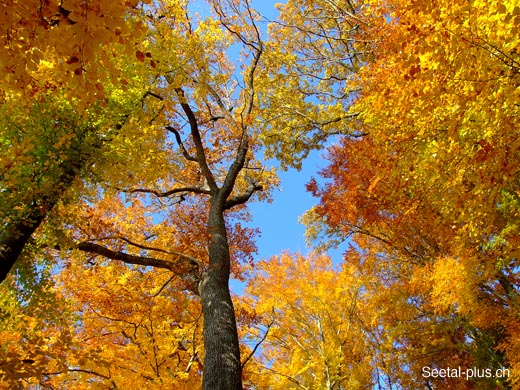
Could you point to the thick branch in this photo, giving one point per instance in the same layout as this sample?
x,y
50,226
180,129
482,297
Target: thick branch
x,y
188,275
13,240
15,235
195,134
180,190
236,167
192,260
127,258
243,198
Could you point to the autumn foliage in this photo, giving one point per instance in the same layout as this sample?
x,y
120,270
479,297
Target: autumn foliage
x,y
432,188
54,43
131,141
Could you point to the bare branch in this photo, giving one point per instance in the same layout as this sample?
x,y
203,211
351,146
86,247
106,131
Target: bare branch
x,y
258,344
185,153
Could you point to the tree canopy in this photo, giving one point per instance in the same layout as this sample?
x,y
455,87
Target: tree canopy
x,y
433,183
134,134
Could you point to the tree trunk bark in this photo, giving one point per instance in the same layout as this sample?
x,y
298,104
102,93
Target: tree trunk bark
x,y
16,234
13,240
222,368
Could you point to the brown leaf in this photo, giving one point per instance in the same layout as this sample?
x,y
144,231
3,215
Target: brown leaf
x,y
139,55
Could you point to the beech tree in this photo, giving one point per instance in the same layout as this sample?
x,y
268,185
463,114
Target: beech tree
x,y
432,183
167,191
59,74
316,325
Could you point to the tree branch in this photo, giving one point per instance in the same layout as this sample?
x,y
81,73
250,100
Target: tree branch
x,y
192,260
180,190
235,168
243,198
185,153
240,158
125,257
163,286
77,370
256,45
195,134
258,344
226,111
258,48
190,275
509,288
290,378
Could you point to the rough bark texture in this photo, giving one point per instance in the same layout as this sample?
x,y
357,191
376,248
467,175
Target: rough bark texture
x,y
13,240
222,368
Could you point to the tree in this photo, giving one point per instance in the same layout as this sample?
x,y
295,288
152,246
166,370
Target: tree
x,y
47,143
314,51
175,176
60,68
315,326
432,184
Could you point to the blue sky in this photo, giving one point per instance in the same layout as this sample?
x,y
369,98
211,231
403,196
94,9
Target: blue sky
x,y
278,221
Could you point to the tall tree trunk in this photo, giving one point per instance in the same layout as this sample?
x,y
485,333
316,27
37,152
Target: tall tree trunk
x,y
17,233
222,368
13,240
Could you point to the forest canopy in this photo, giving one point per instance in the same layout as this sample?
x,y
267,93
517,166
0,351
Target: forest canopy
x,y
134,135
